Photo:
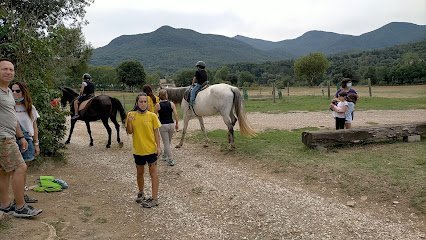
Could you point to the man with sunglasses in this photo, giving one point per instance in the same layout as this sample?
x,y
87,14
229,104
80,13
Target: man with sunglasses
x,y
12,164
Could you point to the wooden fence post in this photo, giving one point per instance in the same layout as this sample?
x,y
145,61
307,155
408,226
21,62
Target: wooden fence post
x,y
273,91
328,89
288,89
369,87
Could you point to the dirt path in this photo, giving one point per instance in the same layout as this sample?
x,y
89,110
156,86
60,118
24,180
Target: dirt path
x,y
207,195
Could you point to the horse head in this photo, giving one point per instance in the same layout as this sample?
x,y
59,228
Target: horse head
x,y
68,95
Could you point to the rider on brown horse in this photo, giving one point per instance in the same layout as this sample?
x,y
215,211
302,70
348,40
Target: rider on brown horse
x,y
87,91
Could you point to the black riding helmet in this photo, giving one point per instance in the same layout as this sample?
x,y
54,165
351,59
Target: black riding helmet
x,y
201,64
87,76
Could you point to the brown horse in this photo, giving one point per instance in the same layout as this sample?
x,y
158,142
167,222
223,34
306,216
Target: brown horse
x,y
100,107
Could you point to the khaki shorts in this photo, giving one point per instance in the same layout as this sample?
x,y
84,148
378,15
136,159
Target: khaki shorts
x,y
10,156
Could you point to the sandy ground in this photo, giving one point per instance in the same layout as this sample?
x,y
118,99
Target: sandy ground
x,y
209,194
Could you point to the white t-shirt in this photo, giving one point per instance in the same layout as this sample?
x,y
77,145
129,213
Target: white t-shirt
x,y
340,114
25,120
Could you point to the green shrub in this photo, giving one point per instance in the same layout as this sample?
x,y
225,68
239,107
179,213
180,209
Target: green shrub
x,y
51,123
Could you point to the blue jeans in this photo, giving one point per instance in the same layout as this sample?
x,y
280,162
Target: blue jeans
x,y
194,89
29,154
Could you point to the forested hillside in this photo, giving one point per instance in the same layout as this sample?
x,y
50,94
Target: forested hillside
x,y
169,50
331,43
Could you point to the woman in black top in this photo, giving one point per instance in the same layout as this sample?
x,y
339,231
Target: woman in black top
x,y
166,111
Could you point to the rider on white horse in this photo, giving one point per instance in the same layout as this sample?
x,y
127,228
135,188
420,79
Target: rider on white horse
x,y
200,77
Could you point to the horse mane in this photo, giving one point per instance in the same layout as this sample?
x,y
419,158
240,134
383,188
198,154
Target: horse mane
x,y
175,94
68,95
70,91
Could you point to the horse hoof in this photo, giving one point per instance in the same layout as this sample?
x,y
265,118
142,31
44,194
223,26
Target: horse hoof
x,y
205,145
91,144
67,142
178,146
120,144
108,146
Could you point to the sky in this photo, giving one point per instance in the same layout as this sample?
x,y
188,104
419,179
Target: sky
x,y
272,20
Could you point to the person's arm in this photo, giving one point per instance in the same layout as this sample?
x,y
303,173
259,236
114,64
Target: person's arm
x,y
194,80
175,116
83,85
20,137
340,109
35,138
157,108
129,125
157,140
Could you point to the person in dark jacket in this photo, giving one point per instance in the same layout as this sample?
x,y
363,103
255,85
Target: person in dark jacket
x,y
198,80
87,91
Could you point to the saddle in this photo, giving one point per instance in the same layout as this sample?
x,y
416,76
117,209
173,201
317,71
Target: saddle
x,y
83,104
187,94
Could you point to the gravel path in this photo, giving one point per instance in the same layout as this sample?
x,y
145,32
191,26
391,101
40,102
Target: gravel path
x,y
210,194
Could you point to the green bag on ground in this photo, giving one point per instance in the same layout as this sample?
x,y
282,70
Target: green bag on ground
x,y
47,184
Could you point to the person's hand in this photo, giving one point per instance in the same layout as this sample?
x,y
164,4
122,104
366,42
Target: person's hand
x,y
158,151
177,127
24,144
37,149
130,117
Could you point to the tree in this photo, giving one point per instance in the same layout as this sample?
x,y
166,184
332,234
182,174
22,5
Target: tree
x,y
311,67
131,73
184,78
221,74
44,40
104,76
245,78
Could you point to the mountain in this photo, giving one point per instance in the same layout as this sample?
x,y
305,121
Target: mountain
x,y
169,49
330,43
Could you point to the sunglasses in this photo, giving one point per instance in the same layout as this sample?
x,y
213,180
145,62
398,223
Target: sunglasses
x,y
17,90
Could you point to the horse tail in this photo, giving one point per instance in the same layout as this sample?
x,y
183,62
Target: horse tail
x,y
116,104
245,128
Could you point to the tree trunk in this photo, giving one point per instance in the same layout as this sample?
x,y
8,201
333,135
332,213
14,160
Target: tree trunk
x,y
357,136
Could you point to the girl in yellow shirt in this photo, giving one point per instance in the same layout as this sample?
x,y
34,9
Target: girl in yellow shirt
x,y
152,99
144,127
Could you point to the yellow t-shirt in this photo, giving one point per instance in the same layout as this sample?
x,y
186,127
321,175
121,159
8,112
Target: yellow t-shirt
x,y
151,103
144,125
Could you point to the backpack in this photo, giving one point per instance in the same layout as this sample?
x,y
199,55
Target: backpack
x,y
47,184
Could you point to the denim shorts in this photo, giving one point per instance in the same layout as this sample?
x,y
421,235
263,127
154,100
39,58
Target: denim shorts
x,y
29,154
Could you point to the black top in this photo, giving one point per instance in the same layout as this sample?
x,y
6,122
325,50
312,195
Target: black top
x,y
89,89
165,112
201,76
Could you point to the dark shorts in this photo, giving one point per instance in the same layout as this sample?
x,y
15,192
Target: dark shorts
x,y
83,98
142,160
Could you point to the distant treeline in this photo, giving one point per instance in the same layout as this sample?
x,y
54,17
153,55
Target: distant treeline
x,y
403,64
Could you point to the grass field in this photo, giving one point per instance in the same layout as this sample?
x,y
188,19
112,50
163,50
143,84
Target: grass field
x,y
412,91
381,172
311,99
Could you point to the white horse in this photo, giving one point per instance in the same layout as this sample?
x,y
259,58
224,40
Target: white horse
x,y
222,99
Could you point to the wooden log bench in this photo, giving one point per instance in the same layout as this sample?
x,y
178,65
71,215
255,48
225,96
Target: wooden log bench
x,y
358,136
